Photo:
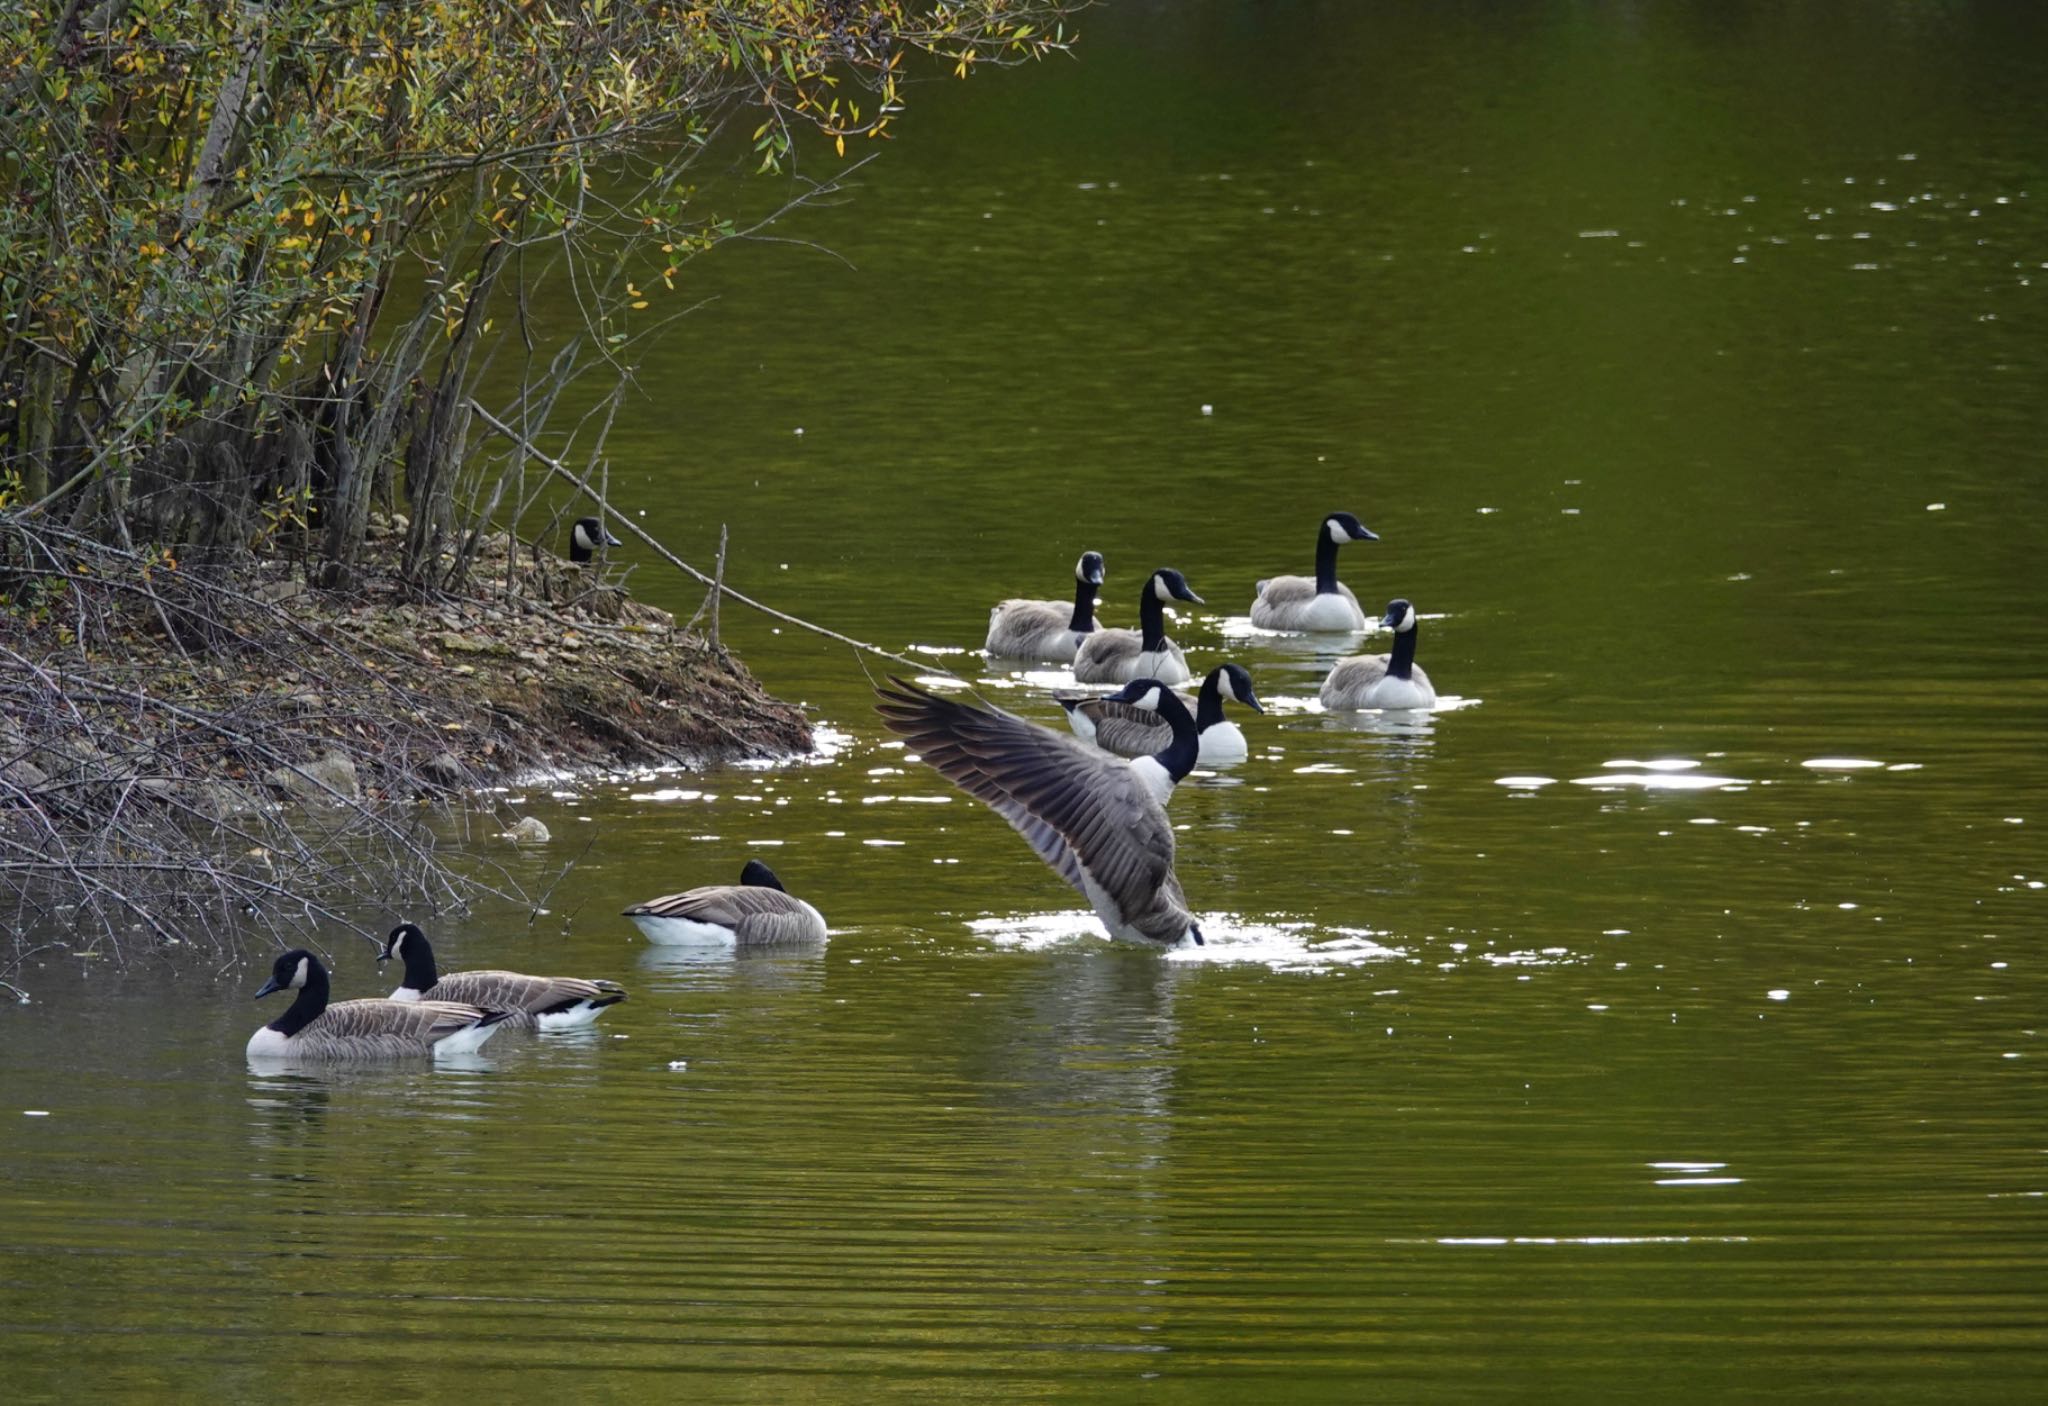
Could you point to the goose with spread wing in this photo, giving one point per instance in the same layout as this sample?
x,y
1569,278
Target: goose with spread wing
x,y
1098,821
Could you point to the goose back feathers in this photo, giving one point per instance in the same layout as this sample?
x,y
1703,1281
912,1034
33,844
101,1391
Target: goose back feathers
x,y
1095,820
529,1002
755,912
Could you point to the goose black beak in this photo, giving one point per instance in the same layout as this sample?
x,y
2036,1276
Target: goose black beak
x,y
268,987
1251,701
611,541
382,958
1362,533
1189,595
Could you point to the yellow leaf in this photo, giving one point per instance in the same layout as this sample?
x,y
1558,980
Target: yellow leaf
x,y
840,142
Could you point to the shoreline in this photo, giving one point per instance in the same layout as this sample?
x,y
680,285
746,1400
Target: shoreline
x,y
184,747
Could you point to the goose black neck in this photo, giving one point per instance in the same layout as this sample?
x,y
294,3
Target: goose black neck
x,y
577,551
1326,563
1402,665
1179,755
420,971
312,999
1151,619
1084,606
1209,702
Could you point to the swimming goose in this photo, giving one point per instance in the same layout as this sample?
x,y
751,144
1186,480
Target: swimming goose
x,y
1130,731
587,536
755,912
1095,819
310,1028
1380,680
1044,629
1118,656
1297,603
543,1002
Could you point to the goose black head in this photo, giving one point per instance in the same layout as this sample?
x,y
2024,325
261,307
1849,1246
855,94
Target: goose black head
x,y
759,876
1400,616
402,939
290,972
586,536
1343,527
1169,584
1089,568
1236,685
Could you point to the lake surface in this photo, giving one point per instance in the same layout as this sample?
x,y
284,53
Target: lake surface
x,y
1690,361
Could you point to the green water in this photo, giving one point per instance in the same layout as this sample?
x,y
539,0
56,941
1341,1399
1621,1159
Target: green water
x,y
1688,358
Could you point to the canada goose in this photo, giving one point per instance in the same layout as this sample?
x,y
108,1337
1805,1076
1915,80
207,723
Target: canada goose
x,y
1095,819
1297,603
587,536
544,1002
1380,680
374,1029
1044,629
755,912
1118,656
1130,731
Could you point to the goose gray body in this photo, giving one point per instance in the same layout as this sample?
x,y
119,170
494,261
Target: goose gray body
x,y
1390,681
1119,656
313,1029
1047,630
1128,730
1320,603
1096,820
529,1002
755,912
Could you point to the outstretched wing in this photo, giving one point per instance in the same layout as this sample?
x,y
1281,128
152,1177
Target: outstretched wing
x,y
1080,810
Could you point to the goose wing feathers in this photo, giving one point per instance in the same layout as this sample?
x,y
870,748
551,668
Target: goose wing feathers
x,y
1026,628
1108,656
1286,590
385,1027
1286,601
753,914
1085,814
1127,730
517,992
1352,679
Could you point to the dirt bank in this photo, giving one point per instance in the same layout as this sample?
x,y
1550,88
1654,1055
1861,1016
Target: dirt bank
x,y
186,744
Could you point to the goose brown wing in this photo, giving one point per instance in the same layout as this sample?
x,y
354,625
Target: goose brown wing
x,y
727,905
1083,812
1128,730
395,1027
516,991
